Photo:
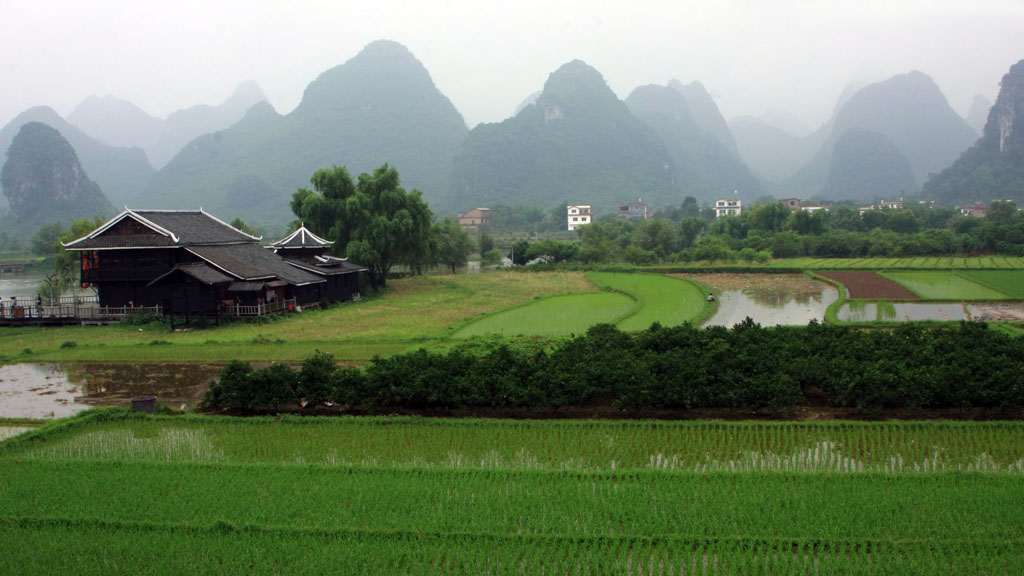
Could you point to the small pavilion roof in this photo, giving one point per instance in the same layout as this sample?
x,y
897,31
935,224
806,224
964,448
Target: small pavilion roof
x,y
302,238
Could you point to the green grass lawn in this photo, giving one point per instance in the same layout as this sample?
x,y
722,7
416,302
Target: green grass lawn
x,y
944,285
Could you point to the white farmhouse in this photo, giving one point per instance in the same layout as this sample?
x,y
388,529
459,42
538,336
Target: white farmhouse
x,y
578,215
728,207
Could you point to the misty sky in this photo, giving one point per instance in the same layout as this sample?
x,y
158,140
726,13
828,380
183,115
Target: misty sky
x,y
487,56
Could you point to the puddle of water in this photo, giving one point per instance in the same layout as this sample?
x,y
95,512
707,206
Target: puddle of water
x,y
790,300
44,391
37,391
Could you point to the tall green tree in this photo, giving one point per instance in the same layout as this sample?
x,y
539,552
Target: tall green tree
x,y
397,227
768,217
373,221
333,209
453,243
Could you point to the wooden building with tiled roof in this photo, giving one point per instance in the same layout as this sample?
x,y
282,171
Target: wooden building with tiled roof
x,y
308,252
189,262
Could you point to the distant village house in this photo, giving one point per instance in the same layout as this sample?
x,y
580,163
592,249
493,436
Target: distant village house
x,y
728,207
797,205
578,215
883,205
634,211
975,210
473,219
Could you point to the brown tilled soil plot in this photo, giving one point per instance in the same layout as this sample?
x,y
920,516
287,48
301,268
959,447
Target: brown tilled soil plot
x,y
868,284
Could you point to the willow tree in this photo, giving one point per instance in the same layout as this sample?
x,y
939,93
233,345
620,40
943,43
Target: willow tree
x,y
373,221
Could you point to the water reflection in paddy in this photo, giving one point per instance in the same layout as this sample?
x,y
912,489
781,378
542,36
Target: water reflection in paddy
x,y
861,311
768,299
55,390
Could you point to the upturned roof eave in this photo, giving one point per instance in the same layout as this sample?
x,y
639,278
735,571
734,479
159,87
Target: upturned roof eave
x,y
124,214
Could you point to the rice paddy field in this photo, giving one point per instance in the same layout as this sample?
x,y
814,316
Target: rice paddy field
x,y
631,301
949,285
925,263
1005,281
110,492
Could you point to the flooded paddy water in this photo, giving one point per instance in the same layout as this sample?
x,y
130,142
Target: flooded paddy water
x,y
768,299
44,391
863,311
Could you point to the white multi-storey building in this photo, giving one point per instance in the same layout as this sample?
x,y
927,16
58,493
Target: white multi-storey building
x,y
578,215
728,207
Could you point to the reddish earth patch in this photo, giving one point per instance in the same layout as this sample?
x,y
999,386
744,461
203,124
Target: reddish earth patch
x,y
868,284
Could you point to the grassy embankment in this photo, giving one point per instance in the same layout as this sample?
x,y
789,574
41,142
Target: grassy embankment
x,y
110,492
432,311
410,312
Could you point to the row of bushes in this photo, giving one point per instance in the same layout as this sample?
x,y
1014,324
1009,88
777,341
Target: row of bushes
x,y
747,367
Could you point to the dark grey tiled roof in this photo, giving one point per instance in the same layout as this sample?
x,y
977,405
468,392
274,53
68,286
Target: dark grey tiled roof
x,y
194,227
137,241
246,286
252,262
327,266
198,270
167,228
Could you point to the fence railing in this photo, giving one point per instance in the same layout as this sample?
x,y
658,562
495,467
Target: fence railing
x,y
84,311
259,309
87,308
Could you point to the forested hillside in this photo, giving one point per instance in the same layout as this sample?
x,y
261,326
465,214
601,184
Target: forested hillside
x,y
576,143
994,167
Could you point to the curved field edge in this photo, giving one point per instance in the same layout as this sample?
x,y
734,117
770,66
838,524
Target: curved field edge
x,y
658,298
663,299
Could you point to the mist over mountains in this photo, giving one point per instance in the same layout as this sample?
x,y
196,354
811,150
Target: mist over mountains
x,y
575,141
119,123
902,120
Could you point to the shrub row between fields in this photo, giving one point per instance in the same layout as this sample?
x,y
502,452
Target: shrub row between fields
x,y
747,367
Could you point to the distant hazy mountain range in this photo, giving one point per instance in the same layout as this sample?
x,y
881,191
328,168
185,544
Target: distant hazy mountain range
x,y
120,123
575,141
902,122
